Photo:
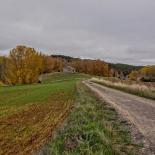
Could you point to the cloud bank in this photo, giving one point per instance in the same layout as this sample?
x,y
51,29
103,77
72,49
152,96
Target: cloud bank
x,y
116,31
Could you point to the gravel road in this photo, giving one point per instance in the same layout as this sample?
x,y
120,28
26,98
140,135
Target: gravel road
x,y
139,111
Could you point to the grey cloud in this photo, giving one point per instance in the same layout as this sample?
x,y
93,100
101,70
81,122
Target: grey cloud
x,y
117,31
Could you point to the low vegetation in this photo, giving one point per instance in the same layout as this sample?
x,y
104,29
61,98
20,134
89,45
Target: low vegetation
x,y
30,113
93,128
58,77
146,74
140,89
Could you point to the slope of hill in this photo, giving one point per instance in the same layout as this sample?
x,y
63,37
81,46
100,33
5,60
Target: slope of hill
x,y
125,68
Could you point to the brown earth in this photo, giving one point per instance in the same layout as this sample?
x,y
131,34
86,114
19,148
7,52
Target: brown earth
x,y
137,110
26,131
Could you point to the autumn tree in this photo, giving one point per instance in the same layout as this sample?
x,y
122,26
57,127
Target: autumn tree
x,y
148,73
23,65
52,64
134,75
113,73
93,67
2,68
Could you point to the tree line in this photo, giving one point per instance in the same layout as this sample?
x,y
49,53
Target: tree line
x,y
125,69
92,67
24,65
146,74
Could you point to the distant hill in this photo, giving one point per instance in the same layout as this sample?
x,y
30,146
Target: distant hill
x,y
125,68
67,58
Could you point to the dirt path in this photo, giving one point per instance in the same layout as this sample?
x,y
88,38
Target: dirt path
x,y
139,111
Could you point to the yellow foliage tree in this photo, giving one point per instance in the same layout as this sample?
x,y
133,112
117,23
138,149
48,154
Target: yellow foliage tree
x,y
148,73
93,67
53,64
133,75
23,66
1,66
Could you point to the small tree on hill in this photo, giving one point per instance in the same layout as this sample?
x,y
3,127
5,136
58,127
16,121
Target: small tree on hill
x,y
134,75
23,66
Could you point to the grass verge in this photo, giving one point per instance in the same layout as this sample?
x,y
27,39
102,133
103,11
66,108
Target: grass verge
x,y
93,128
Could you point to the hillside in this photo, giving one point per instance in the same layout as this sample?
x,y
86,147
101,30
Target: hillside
x,y
125,68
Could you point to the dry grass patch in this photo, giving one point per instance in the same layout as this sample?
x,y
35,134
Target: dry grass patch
x,y
140,89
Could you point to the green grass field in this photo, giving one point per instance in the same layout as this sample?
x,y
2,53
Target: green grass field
x,y
29,113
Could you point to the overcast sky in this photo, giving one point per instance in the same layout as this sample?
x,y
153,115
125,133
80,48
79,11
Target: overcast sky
x,y
112,30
